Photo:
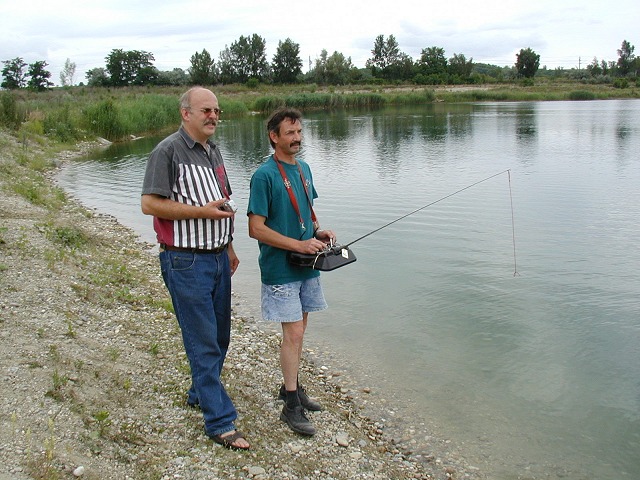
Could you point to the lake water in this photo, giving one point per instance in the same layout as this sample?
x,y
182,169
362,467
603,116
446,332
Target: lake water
x,y
515,334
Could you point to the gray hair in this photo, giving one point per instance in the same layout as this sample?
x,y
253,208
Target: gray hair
x,y
185,98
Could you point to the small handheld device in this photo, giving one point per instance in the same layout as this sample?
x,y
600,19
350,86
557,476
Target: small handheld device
x,y
229,206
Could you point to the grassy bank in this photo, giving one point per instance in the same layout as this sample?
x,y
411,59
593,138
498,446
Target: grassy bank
x,y
68,115
24,168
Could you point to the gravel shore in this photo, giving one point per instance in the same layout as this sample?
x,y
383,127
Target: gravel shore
x,y
93,374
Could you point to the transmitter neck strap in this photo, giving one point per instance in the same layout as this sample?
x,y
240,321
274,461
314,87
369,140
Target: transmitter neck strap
x,y
292,196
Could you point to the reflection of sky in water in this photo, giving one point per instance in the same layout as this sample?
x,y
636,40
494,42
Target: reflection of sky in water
x,y
431,306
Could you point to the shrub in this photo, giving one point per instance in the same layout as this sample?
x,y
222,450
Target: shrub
x,y
268,103
621,83
33,126
66,236
581,95
316,101
103,119
148,113
252,83
59,125
232,107
10,115
432,79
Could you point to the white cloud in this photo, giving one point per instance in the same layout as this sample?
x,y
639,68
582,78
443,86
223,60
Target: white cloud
x,y
490,32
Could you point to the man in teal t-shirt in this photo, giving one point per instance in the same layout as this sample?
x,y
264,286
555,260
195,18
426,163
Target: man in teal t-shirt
x,y
281,218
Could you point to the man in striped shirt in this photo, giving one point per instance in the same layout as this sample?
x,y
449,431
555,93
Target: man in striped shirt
x,y
187,191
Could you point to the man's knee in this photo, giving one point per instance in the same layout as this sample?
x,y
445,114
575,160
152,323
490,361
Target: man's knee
x,y
293,332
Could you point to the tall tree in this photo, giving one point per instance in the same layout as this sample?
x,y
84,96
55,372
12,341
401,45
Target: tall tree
x,y
14,74
626,59
318,73
286,65
384,52
246,58
432,61
97,77
527,63
132,67
459,66
175,77
146,75
117,68
226,66
257,58
202,71
335,69
594,68
39,76
338,69
387,60
67,73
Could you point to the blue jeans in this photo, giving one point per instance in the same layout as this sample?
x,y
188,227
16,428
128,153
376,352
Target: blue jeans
x,y
200,288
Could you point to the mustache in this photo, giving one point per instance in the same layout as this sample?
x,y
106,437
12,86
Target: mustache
x,y
295,144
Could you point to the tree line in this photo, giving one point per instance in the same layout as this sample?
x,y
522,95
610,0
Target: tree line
x,y
245,62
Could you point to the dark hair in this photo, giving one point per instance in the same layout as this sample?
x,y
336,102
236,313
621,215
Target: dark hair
x,y
276,118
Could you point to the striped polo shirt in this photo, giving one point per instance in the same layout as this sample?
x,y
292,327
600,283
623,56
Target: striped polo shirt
x,y
181,169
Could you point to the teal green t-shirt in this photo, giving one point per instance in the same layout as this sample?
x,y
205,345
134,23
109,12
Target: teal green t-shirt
x,y
268,198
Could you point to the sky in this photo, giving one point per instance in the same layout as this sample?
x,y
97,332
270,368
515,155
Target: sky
x,y
565,33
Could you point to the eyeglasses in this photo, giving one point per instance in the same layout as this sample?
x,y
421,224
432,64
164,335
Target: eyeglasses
x,y
209,111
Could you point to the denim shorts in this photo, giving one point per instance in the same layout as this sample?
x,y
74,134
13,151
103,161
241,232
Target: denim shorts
x,y
287,302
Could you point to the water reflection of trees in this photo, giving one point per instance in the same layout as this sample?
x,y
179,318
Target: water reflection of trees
x,y
329,137
244,142
330,126
406,133
526,125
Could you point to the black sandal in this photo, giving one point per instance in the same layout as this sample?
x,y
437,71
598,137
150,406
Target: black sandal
x,y
228,441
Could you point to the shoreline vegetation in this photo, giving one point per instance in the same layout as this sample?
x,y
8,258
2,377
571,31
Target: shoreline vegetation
x,y
93,371
71,114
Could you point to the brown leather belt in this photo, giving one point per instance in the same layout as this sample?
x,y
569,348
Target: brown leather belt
x,y
192,250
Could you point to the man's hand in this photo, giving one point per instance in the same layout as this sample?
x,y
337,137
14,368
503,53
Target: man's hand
x,y
327,236
313,245
214,210
168,209
234,261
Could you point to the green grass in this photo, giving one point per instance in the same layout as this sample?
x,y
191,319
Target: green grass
x,y
71,114
318,101
57,391
67,236
581,95
34,189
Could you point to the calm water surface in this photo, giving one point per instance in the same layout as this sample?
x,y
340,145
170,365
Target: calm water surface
x,y
533,375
